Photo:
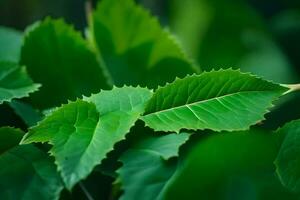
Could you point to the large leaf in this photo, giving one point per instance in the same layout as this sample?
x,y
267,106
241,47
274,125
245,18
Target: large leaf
x,y
145,171
14,82
288,159
217,100
58,57
135,49
230,166
83,132
10,44
26,172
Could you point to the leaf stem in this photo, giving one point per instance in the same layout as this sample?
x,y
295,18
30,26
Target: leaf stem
x,y
85,191
292,87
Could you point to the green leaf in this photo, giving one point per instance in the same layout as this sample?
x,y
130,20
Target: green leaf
x,y
146,171
62,61
14,82
26,172
288,159
26,112
135,49
10,44
216,100
83,132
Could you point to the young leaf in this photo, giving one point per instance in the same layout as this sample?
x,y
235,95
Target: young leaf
x,y
10,44
145,171
135,49
216,100
61,60
288,159
83,132
26,172
14,82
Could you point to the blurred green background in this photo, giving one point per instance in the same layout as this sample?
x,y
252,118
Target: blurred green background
x,y
259,36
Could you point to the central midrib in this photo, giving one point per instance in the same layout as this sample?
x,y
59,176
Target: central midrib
x,y
206,100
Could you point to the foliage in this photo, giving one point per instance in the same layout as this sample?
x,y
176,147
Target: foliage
x,y
124,107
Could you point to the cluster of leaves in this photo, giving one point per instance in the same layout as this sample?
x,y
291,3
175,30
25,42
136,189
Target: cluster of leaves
x,y
80,118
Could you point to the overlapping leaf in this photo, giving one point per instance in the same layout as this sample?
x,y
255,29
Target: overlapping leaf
x,y
83,132
61,60
14,82
26,172
135,49
145,171
217,100
288,159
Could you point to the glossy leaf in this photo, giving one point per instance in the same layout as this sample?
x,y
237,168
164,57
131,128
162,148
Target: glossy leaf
x,y
14,82
145,171
61,60
216,100
288,159
83,132
26,172
133,46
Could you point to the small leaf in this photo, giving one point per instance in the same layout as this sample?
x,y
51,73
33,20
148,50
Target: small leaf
x,y
145,171
61,60
217,100
10,44
135,49
14,82
288,159
26,172
83,132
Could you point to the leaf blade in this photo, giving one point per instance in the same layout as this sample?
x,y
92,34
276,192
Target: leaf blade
x,y
217,100
30,173
287,160
83,132
136,50
58,57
